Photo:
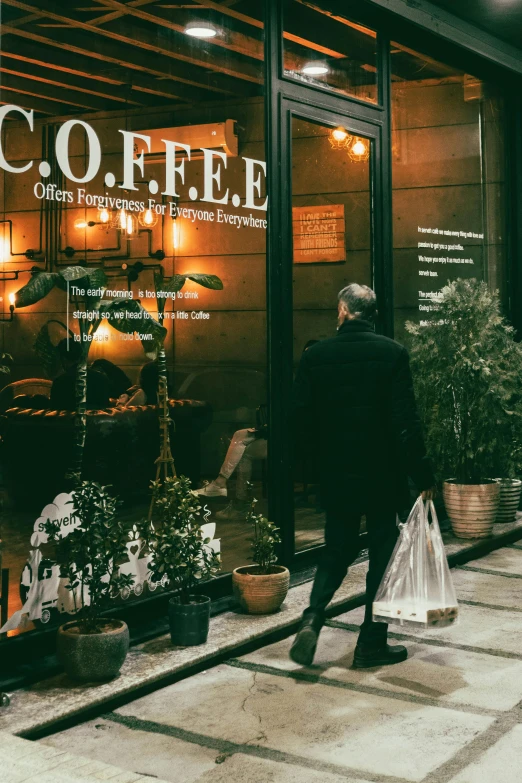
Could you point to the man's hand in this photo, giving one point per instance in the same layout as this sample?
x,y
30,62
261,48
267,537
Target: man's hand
x,y
429,494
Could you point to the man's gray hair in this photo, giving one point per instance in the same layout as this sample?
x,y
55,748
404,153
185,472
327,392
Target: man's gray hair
x,y
360,301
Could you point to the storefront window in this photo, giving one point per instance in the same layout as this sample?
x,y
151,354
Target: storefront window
x,y
323,48
448,183
132,144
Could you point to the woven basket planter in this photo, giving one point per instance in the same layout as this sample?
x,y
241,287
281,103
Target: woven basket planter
x,y
510,490
260,593
472,508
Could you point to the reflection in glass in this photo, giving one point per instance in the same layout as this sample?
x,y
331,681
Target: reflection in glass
x,y
188,74
323,48
448,183
331,248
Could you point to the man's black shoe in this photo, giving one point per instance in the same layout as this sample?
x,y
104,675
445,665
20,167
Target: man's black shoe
x,y
303,648
365,658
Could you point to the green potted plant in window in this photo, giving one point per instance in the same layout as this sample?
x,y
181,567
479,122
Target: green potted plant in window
x,y
468,372
181,551
262,587
92,647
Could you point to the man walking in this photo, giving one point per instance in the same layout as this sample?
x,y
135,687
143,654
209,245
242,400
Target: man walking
x,y
355,392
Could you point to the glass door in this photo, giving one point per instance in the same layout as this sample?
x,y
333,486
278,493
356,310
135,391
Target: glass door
x,y
333,233
332,247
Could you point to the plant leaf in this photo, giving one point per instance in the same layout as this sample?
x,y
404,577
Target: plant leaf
x,y
36,288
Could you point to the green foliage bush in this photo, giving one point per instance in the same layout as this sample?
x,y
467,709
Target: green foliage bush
x,y
467,371
177,543
90,555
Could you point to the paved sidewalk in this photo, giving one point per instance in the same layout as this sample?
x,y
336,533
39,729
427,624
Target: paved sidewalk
x,y
452,713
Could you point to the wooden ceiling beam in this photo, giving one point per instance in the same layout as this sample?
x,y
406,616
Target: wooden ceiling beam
x,y
144,40
94,99
28,101
139,67
49,92
319,48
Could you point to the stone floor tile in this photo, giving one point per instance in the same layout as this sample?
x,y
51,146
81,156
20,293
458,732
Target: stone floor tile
x,y
450,676
240,768
488,629
506,560
487,588
137,752
361,731
502,763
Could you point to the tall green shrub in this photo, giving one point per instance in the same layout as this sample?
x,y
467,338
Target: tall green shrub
x,y
467,371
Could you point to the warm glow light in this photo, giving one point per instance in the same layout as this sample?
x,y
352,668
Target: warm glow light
x,y
176,236
358,148
80,223
200,30
148,217
123,219
4,249
131,226
340,134
12,299
104,216
315,68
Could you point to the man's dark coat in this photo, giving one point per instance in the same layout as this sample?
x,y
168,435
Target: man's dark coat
x,y
355,406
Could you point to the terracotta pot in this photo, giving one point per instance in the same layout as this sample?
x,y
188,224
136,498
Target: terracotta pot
x,y
93,657
472,508
260,593
510,490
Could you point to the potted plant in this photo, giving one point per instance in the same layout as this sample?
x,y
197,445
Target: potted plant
x,y
181,551
91,647
467,371
261,588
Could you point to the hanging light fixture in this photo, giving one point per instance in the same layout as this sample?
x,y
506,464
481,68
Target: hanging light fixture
x,y
148,218
104,217
340,138
131,225
176,235
359,149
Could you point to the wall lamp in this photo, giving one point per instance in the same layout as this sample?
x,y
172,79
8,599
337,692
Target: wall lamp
x,y
12,301
6,244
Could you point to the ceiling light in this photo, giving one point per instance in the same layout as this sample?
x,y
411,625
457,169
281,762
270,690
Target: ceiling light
x,y
340,138
200,30
359,150
315,68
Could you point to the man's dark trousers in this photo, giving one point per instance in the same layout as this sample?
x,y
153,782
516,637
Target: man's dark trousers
x,y
341,549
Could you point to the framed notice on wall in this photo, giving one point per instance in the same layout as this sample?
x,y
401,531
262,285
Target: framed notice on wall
x,y
318,234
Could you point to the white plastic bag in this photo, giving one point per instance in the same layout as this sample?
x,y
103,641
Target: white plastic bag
x,y
416,589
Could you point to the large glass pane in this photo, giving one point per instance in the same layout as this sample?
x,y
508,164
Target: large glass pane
x,y
448,182
136,148
323,48
331,248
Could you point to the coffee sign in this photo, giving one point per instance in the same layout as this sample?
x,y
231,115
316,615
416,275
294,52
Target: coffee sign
x,y
134,147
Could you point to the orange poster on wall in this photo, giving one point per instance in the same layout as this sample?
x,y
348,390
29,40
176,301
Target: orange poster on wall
x,y
318,234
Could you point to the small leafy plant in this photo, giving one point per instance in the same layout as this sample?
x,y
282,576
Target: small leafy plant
x,y
89,556
178,546
265,539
